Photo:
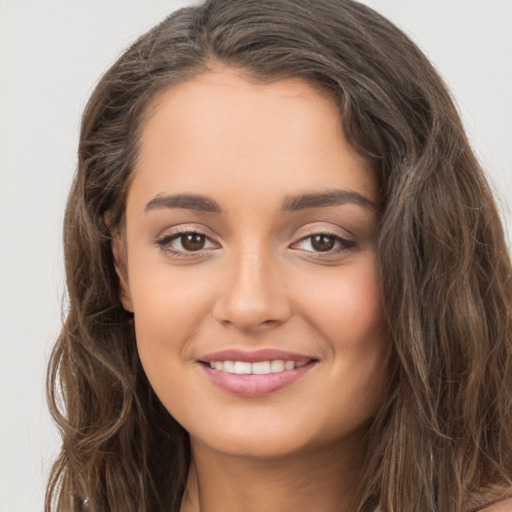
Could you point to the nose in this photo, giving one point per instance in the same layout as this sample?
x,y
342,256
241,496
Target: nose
x,y
254,295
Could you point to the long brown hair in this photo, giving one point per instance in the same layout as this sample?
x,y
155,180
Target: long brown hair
x,y
442,440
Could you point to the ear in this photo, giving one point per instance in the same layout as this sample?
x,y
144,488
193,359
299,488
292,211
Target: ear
x,y
119,261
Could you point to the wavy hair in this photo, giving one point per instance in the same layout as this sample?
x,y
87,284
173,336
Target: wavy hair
x,y
442,440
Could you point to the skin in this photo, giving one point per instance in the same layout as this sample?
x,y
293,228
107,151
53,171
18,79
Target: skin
x,y
257,282
501,506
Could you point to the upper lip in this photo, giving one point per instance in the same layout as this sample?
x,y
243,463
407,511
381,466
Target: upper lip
x,y
254,356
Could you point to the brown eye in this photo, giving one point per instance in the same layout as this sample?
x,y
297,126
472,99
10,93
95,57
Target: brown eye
x,y
193,241
186,244
322,242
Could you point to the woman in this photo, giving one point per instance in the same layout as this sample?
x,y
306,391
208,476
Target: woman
x,y
289,286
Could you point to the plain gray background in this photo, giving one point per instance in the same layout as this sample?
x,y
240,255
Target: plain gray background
x,y
51,54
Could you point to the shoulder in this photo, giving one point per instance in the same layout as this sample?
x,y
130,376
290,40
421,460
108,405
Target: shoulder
x,y
499,506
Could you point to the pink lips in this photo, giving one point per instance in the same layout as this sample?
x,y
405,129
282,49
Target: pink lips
x,y
255,356
255,385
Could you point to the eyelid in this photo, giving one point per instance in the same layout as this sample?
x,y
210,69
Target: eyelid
x,y
346,243
319,228
162,241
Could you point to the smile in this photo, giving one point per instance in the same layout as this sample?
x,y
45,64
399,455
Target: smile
x,y
257,373
257,368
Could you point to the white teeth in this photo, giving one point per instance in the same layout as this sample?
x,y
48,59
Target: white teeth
x,y
258,368
228,366
261,368
276,366
242,368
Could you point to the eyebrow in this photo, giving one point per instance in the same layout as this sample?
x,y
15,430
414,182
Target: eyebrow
x,y
328,198
185,201
291,204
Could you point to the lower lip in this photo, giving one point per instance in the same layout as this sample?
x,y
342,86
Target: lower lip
x,y
255,385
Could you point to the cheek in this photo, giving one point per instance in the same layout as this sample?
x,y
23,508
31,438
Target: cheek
x,y
166,319
170,307
165,297
347,308
347,311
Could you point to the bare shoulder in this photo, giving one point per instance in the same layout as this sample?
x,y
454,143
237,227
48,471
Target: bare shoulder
x,y
500,506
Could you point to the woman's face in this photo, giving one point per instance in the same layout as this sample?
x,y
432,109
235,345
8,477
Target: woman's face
x,y
249,263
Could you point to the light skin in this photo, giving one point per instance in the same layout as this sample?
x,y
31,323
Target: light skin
x,y
501,506
251,224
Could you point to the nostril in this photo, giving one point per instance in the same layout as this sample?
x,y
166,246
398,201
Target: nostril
x,y
250,326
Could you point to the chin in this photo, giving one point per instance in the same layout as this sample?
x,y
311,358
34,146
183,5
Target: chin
x,y
274,439
270,447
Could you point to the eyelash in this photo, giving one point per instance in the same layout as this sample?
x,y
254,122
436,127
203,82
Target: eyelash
x,y
341,243
164,244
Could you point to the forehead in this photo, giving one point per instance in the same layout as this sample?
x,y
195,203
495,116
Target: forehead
x,y
222,126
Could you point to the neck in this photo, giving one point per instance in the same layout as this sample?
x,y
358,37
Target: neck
x,y
323,481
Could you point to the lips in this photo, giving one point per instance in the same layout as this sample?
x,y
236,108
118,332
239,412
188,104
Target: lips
x,y
255,373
